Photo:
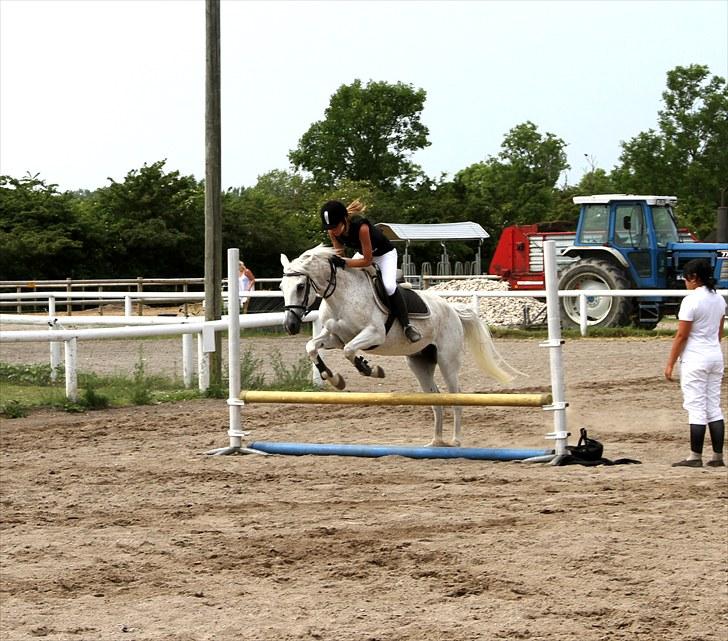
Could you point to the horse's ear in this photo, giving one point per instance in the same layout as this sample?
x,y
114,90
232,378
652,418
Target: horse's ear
x,y
284,261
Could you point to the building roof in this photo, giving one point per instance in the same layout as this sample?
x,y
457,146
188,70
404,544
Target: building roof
x,y
603,199
435,231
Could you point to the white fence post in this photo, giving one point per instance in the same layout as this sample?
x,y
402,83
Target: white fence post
x,y
188,360
71,376
582,315
55,347
203,366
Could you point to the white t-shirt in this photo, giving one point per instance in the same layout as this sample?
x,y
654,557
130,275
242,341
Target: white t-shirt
x,y
706,310
243,285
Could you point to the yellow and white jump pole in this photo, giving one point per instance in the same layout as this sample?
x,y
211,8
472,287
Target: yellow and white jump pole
x,y
396,398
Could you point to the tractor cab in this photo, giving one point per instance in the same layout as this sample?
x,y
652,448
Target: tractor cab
x,y
632,231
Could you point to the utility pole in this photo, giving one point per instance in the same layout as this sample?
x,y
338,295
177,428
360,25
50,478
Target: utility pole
x,y
213,200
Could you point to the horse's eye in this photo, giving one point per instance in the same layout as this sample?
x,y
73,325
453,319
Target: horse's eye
x,y
299,287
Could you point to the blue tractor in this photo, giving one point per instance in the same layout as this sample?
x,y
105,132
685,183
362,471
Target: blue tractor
x,y
630,242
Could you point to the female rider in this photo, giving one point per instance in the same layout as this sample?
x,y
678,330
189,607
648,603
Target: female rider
x,y
346,228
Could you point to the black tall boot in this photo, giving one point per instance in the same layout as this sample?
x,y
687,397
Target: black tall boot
x,y
697,438
399,309
717,437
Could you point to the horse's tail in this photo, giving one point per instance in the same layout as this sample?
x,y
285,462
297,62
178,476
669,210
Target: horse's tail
x,y
480,344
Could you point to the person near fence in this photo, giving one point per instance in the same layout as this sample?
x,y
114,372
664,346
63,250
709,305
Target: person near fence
x,y
697,346
246,283
347,228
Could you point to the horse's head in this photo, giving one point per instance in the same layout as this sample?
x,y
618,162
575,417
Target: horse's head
x,y
305,278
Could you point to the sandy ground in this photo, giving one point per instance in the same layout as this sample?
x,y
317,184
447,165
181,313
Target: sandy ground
x,y
117,527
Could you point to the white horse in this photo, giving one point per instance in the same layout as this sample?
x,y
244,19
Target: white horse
x,y
354,319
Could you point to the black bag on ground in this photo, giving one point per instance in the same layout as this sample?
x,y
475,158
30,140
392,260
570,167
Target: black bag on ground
x,y
588,451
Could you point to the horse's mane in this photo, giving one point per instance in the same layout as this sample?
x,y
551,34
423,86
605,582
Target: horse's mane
x,y
320,251
325,251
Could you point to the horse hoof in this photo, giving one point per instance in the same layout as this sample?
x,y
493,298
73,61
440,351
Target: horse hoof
x,y
337,381
437,443
377,372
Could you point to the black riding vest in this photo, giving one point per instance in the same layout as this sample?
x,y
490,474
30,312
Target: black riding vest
x,y
380,243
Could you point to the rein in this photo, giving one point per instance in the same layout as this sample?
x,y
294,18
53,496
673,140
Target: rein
x,y
310,284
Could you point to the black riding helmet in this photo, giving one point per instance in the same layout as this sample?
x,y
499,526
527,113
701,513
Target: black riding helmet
x,y
333,212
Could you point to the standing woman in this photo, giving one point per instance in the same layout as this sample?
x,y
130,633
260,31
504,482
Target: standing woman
x,y
697,344
246,283
347,228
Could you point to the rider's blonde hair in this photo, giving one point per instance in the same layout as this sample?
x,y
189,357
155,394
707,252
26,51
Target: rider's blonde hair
x,y
356,208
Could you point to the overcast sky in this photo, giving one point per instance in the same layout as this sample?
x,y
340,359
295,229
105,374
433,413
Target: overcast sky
x,y
93,89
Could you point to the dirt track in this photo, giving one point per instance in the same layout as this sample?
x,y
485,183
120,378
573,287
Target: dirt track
x,y
115,526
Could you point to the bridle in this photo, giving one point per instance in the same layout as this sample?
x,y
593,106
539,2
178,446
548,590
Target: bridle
x,y
310,284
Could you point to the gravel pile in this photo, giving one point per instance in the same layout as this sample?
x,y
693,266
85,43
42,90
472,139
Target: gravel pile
x,y
499,311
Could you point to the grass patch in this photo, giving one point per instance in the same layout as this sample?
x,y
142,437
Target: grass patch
x,y
27,387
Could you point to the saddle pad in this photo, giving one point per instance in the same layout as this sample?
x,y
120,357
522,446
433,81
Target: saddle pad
x,y
415,305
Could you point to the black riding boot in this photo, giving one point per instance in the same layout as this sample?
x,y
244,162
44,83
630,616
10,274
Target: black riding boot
x,y
717,436
399,309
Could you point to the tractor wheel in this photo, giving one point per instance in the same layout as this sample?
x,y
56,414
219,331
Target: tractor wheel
x,y
602,311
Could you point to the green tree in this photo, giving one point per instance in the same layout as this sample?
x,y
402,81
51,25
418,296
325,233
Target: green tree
x,y
368,134
594,181
518,185
686,156
278,215
41,236
153,223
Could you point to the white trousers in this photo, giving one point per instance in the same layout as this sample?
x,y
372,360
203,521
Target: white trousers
x,y
700,382
387,264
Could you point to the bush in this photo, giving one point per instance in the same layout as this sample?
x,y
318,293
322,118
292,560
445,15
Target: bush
x,y
93,400
295,378
140,394
25,374
13,409
251,376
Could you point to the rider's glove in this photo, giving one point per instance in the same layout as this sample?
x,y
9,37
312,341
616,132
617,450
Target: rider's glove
x,y
338,261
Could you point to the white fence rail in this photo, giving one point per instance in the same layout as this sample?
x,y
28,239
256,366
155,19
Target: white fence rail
x,y
129,326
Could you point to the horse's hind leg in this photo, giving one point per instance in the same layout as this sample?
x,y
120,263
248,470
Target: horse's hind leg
x,y
450,368
423,367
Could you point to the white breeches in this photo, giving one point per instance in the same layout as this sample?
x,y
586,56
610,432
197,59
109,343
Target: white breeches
x,y
700,382
388,267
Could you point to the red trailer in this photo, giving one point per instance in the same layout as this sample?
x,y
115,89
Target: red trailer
x,y
518,257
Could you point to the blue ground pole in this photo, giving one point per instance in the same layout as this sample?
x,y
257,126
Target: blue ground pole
x,y
375,451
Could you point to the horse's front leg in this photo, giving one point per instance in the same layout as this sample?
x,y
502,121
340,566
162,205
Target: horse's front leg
x,y
325,340
368,337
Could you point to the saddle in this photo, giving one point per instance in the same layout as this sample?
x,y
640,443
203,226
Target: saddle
x,y
416,307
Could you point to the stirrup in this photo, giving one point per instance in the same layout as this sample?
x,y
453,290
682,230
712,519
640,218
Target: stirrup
x,y
410,331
